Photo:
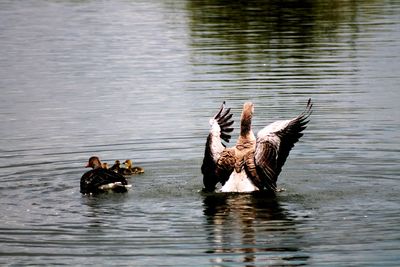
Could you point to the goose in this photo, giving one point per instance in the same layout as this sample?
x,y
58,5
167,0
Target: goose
x,y
254,163
130,169
100,180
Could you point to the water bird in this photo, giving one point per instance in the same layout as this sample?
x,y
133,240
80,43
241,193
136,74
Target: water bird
x,y
116,166
99,180
254,163
130,169
104,165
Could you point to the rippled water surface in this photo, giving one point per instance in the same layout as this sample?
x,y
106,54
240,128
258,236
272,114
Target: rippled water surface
x,y
140,79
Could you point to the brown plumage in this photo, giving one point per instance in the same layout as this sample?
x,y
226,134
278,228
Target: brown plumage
x,y
253,164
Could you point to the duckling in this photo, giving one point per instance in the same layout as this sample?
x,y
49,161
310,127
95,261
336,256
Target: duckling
x,y
99,180
104,165
130,170
116,167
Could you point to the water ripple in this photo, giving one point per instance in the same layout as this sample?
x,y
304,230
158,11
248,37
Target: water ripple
x,y
141,79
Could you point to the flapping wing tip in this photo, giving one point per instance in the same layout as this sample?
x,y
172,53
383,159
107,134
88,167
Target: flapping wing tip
x,y
309,104
307,111
220,110
225,113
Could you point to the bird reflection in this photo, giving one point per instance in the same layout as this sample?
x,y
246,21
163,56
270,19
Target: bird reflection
x,y
103,211
251,228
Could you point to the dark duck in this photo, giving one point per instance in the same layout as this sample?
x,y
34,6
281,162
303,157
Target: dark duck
x,y
100,180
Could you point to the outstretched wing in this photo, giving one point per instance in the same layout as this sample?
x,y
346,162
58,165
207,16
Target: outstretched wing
x,y
274,143
220,129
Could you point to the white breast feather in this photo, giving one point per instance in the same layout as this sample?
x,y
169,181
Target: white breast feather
x,y
239,182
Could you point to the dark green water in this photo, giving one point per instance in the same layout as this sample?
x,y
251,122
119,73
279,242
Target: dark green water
x,y
140,79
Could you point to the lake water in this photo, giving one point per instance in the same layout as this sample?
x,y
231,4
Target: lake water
x,y
140,79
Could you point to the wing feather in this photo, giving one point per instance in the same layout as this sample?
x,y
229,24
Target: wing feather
x,y
212,169
225,165
273,145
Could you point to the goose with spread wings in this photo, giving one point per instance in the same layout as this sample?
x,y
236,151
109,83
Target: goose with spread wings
x,y
254,163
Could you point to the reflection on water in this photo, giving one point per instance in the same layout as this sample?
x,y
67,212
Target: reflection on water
x,y
275,41
251,228
99,207
140,79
